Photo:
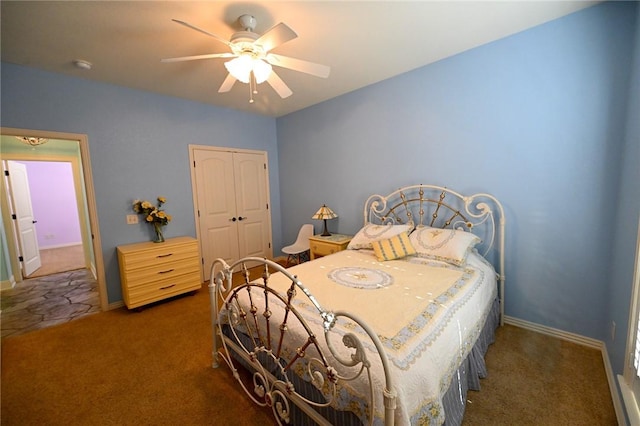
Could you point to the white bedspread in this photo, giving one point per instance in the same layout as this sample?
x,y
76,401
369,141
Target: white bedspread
x,y
427,314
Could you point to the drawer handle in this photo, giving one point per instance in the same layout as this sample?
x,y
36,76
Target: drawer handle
x,y
165,255
166,287
165,272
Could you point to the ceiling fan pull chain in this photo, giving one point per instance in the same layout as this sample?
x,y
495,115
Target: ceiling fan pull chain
x,y
255,83
251,89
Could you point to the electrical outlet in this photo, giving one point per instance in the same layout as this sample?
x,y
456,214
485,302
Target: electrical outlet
x,y
613,331
132,219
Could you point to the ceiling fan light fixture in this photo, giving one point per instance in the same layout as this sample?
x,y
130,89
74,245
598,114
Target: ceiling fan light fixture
x,y
250,59
242,66
261,70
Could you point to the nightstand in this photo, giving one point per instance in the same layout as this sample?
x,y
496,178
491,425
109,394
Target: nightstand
x,y
322,246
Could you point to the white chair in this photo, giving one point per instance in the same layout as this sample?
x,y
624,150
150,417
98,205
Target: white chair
x,y
300,249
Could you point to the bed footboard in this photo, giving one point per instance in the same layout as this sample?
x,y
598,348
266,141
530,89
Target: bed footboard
x,y
265,328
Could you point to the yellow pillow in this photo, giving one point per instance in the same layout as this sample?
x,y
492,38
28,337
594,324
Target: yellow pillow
x,y
395,247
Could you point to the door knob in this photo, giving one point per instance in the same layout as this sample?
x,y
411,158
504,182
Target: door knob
x,y
242,218
233,219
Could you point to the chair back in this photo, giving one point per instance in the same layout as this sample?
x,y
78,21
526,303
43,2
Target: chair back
x,y
305,232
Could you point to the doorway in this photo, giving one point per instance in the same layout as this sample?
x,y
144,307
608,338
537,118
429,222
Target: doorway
x,y
52,203
60,147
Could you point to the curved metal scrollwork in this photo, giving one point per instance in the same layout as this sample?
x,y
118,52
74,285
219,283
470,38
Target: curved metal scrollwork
x,y
251,325
437,206
252,321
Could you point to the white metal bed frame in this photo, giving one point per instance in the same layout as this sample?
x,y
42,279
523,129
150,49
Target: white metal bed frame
x,y
272,367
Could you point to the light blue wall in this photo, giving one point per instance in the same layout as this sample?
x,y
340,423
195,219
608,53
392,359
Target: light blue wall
x,y
536,119
138,144
625,224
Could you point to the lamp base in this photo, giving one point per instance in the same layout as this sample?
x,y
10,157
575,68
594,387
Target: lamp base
x,y
325,232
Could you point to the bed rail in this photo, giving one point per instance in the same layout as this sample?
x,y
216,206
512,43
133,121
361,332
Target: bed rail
x,y
250,321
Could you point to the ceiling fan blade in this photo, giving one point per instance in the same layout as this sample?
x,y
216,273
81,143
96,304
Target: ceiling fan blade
x,y
227,84
192,58
275,36
279,86
186,24
299,65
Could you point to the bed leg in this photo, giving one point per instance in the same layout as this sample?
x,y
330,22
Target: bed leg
x,y
214,319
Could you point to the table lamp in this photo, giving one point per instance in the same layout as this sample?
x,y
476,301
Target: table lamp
x,y
324,213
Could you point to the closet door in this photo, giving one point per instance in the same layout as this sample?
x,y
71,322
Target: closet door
x,y
232,205
252,204
216,206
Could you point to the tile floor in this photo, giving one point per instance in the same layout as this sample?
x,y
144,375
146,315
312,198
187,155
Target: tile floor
x,y
45,301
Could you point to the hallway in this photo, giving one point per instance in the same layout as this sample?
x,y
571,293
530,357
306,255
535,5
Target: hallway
x,y
49,300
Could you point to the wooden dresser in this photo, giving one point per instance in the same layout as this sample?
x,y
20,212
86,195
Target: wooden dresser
x,y
154,271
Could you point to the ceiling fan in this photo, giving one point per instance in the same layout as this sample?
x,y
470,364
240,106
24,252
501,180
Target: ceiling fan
x,y
252,58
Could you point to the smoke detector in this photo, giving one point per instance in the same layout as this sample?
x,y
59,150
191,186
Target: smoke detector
x,y
82,64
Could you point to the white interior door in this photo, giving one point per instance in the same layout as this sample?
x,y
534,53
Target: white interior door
x,y
232,202
18,182
216,202
254,229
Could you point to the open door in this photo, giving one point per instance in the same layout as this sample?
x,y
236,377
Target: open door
x,y
72,147
24,222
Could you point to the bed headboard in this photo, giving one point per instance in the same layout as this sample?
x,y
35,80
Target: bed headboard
x,y
439,207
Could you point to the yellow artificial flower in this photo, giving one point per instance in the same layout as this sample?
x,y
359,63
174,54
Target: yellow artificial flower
x,y
152,214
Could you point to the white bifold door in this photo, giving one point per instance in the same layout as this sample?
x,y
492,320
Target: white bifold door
x,y
231,190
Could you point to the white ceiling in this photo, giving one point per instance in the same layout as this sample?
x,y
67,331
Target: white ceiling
x,y
362,41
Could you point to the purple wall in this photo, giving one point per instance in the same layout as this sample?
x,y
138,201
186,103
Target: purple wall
x,y
53,198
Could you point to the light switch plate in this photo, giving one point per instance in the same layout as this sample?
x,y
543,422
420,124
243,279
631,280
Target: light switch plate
x,y
132,219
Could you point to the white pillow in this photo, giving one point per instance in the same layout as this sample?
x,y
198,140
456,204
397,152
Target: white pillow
x,y
448,245
372,232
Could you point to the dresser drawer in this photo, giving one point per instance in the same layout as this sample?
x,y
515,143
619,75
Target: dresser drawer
x,y
161,289
322,249
158,257
169,270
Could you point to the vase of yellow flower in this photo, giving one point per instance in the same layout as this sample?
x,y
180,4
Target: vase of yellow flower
x,y
153,215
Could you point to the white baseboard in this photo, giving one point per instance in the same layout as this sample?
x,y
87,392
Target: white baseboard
x,y
8,284
629,401
554,332
584,341
61,245
618,404
115,305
